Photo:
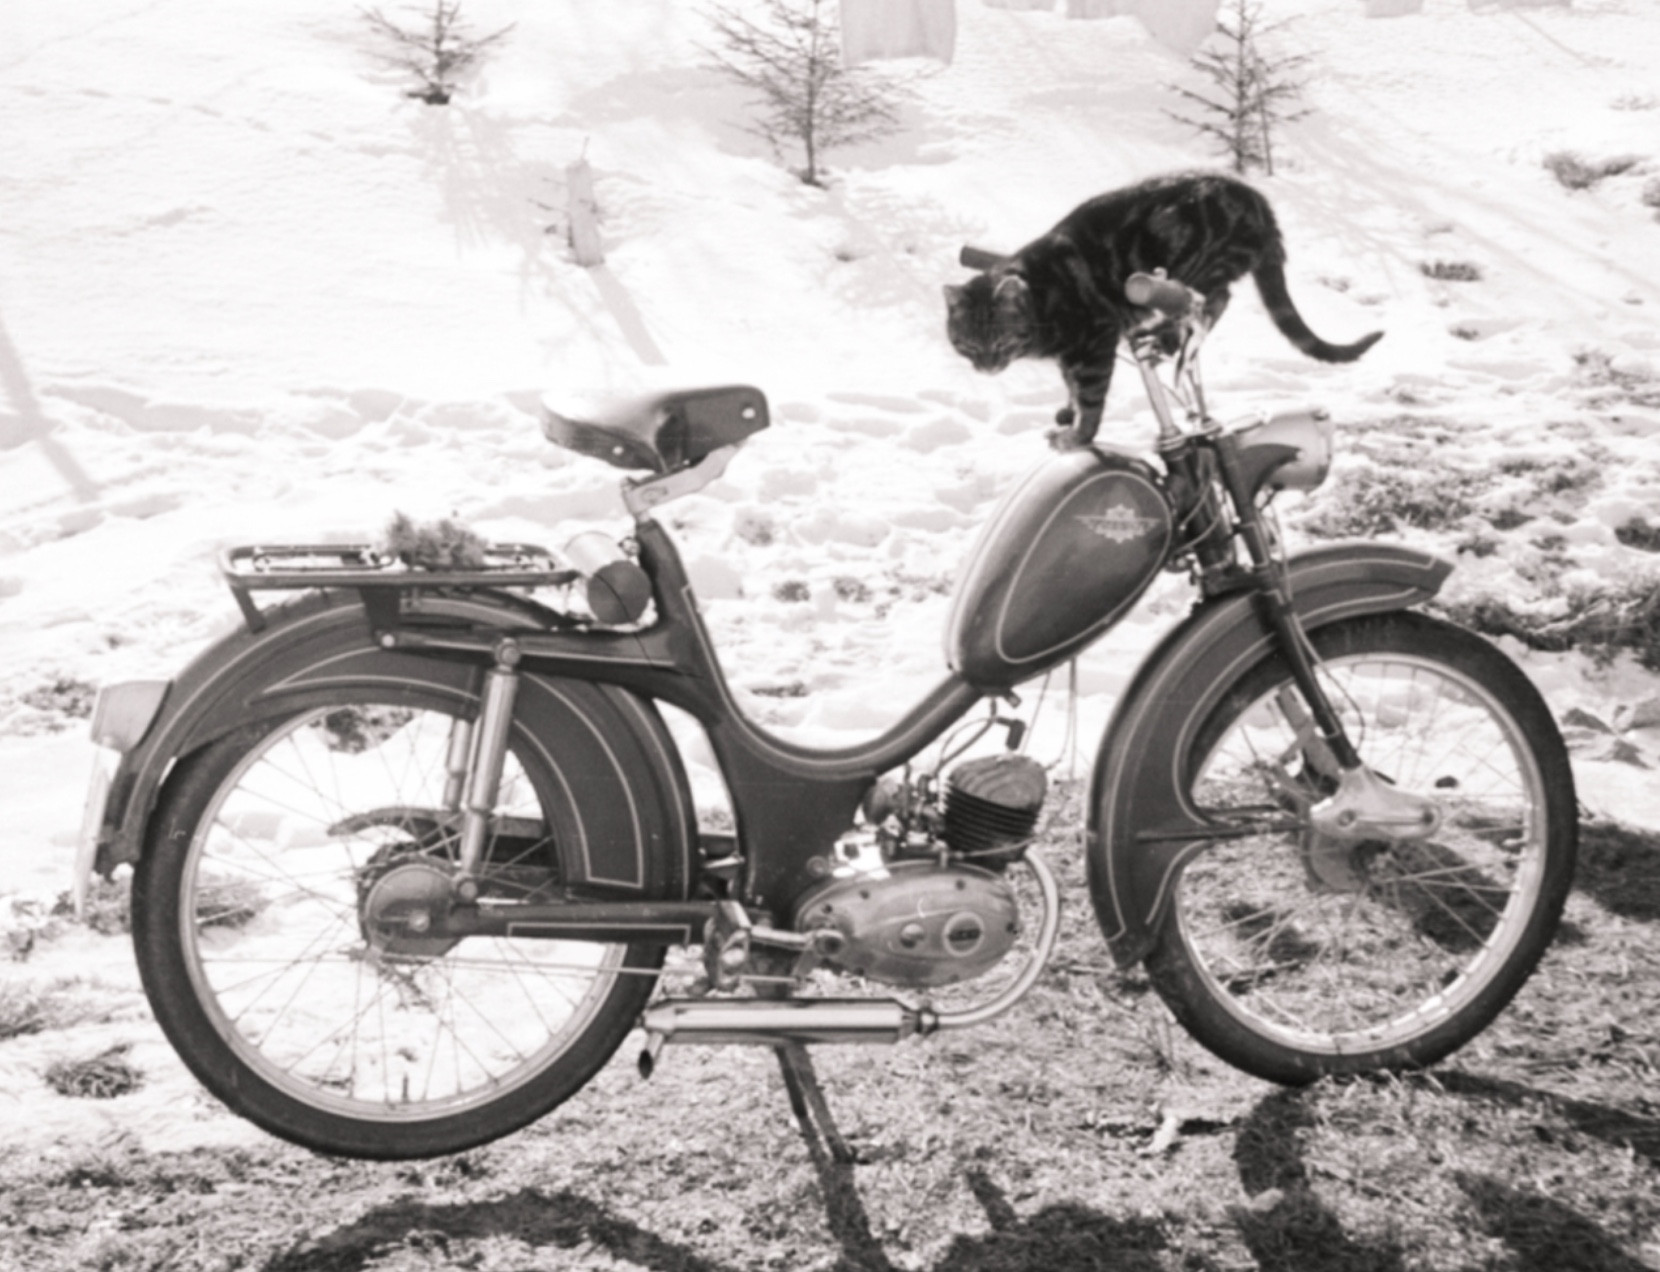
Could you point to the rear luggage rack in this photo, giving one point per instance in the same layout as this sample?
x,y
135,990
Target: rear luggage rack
x,y
293,567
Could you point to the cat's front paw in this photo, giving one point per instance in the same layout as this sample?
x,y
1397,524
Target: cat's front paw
x,y
1064,438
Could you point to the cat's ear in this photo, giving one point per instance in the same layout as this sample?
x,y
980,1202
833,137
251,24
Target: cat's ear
x,y
953,292
1011,293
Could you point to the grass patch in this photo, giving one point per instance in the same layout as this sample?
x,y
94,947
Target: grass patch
x,y
1385,500
108,906
1598,368
354,730
101,1077
851,589
1451,271
789,689
755,527
1638,533
64,695
32,1009
1621,619
52,705
791,591
1476,545
918,587
229,902
1079,1131
1575,172
1632,382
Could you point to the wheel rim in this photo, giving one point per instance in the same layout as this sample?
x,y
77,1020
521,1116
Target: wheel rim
x,y
275,943
1357,950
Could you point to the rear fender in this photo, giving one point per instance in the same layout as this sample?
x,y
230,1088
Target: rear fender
x,y
1140,815
629,826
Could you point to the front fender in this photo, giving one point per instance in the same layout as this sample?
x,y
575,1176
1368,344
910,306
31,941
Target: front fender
x,y
1138,810
631,822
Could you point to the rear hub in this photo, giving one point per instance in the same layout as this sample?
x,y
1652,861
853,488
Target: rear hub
x,y
404,906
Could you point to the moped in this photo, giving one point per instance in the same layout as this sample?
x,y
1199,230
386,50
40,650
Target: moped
x,y
410,847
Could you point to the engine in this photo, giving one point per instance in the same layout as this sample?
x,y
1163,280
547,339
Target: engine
x,y
923,900
992,807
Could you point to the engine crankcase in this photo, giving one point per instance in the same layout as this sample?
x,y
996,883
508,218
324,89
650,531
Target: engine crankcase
x,y
913,923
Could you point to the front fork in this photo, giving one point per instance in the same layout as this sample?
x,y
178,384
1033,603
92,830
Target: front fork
x,y
1274,587
1364,804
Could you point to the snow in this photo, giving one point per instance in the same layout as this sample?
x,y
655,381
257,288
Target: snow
x,y
257,294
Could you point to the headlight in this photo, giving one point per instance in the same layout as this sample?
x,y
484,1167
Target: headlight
x,y
1288,451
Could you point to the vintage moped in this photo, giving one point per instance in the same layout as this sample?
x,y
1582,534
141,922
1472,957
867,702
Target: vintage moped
x,y
410,847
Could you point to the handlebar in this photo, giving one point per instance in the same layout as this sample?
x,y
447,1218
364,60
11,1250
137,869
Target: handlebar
x,y
979,258
1170,298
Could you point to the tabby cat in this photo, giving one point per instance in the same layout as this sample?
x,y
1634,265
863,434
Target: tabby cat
x,y
1062,295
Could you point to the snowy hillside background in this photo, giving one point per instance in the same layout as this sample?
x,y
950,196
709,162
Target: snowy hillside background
x,y
259,295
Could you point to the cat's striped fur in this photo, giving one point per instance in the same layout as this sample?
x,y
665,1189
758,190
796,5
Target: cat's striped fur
x,y
1062,295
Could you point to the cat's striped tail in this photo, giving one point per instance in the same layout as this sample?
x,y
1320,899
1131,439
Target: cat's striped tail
x,y
1270,280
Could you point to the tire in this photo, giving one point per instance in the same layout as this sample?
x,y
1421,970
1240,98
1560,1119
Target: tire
x,y
249,925
1293,956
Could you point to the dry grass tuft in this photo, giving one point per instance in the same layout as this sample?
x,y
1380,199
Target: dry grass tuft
x,y
1451,271
1637,532
1363,502
108,906
1602,625
32,1009
100,1077
1574,172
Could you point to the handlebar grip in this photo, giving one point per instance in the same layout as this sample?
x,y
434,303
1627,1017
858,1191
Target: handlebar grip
x,y
979,258
1166,295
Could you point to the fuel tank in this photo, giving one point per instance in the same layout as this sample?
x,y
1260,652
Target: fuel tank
x,y
1067,552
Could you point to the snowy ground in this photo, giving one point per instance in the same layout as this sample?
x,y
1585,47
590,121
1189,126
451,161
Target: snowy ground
x,y
256,294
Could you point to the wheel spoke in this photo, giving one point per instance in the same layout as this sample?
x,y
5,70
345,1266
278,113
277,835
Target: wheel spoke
x,y
278,938
1331,948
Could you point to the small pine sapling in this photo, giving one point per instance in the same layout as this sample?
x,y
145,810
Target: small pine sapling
x,y
438,50
789,54
1252,90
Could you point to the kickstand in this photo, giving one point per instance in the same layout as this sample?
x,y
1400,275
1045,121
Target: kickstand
x,y
812,1111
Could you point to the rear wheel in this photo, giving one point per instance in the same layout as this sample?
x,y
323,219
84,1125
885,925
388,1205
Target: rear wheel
x,y
1293,955
264,918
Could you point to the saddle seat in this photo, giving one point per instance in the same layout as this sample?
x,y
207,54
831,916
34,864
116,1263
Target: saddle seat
x,y
663,432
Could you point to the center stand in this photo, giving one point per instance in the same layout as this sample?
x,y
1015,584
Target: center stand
x,y
807,1100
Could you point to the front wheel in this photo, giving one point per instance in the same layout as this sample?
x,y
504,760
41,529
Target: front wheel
x,y
259,920
1291,955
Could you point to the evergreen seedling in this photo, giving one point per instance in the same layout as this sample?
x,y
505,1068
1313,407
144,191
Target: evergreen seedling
x,y
1251,90
437,50
788,52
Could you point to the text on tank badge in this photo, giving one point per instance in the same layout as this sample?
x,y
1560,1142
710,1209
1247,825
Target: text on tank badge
x,y
1120,523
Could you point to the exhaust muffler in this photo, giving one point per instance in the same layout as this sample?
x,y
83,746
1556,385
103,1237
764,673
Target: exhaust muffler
x,y
773,1022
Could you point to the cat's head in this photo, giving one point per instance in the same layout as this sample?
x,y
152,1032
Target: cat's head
x,y
989,319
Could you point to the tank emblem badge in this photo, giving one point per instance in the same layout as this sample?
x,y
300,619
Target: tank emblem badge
x,y
1120,523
